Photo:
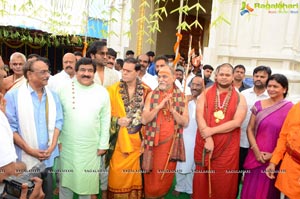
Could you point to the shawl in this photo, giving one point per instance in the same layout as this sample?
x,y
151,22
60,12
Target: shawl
x,y
117,132
151,137
27,124
17,83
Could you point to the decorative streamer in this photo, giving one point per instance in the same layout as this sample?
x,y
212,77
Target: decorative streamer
x,y
85,45
13,46
176,49
179,37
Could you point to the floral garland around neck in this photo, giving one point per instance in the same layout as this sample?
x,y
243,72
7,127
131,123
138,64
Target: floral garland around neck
x,y
133,106
220,110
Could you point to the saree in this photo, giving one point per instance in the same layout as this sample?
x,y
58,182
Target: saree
x,y
268,123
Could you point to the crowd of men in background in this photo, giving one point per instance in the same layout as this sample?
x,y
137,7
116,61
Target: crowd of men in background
x,y
130,125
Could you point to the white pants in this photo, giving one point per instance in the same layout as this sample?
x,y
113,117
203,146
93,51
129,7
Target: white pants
x,y
103,174
66,193
282,196
184,182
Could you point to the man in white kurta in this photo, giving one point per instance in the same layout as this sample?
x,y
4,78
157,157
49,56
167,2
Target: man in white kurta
x,y
66,75
147,78
185,170
85,133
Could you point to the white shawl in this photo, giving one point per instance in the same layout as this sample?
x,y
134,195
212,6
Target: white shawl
x,y
17,83
27,124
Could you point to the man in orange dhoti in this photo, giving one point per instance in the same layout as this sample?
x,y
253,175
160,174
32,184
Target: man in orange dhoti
x,y
165,114
127,101
288,150
220,113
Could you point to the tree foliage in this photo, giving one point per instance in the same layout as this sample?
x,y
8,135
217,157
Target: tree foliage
x,y
57,19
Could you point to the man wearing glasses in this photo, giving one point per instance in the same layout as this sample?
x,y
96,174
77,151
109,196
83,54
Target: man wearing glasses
x,y
35,117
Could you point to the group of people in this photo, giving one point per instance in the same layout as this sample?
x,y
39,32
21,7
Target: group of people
x,y
131,132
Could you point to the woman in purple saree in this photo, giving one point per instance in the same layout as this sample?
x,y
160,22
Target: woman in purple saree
x,y
263,131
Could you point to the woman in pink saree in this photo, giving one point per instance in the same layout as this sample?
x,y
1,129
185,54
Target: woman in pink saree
x,y
263,131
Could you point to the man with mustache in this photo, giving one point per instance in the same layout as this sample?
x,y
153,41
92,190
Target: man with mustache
x,y
253,94
148,79
68,72
104,75
85,133
111,61
185,170
35,116
111,58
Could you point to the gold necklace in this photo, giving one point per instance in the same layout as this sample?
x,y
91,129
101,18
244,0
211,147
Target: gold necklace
x,y
220,110
133,106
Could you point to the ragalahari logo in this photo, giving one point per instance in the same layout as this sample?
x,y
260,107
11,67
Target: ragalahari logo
x,y
245,8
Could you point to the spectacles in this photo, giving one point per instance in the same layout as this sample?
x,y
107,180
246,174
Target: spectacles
x,y
42,72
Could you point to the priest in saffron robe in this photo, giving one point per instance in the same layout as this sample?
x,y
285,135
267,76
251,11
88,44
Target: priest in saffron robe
x,y
165,114
288,151
127,102
220,113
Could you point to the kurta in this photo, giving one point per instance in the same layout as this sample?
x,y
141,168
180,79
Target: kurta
x,y
125,177
225,157
86,128
110,77
268,122
288,178
185,170
189,137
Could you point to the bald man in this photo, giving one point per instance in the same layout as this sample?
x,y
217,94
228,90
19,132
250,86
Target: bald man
x,y
68,72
